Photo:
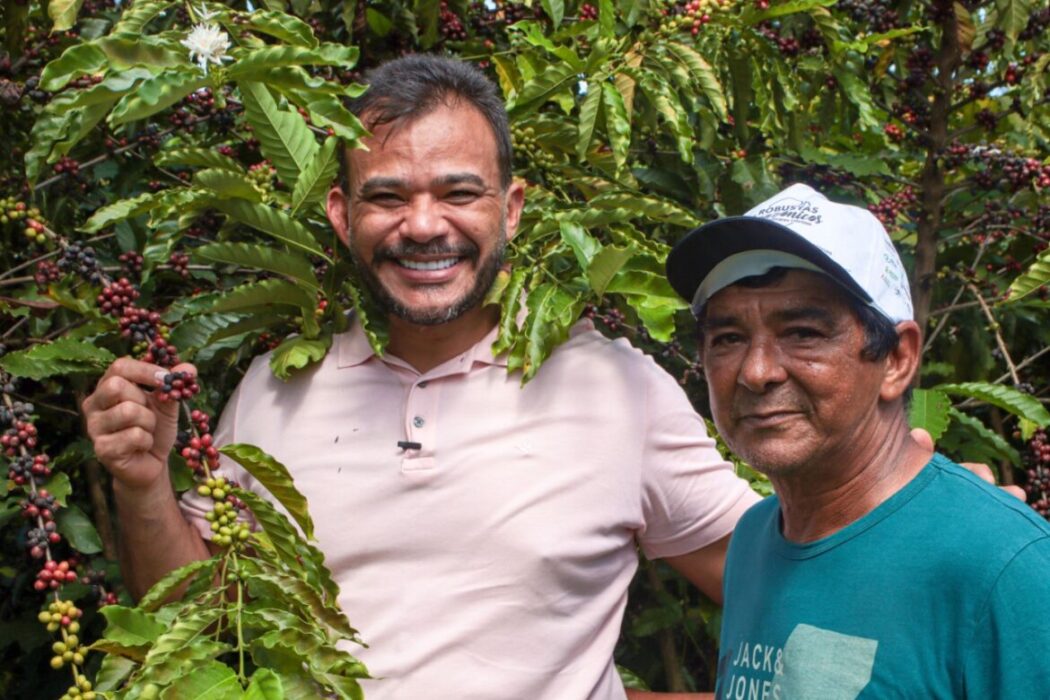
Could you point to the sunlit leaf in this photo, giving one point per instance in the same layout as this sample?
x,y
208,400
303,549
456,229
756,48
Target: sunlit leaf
x,y
275,478
162,589
316,179
262,257
1007,398
928,409
284,137
63,13
298,353
62,356
1035,277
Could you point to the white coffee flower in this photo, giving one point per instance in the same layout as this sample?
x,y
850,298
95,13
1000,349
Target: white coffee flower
x,y
207,44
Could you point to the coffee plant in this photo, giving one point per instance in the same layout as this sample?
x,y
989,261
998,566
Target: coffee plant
x,y
161,196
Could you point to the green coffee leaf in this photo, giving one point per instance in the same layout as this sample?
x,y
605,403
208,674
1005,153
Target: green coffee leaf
x,y
131,627
555,9
284,137
157,94
296,353
704,76
617,125
292,265
63,13
282,26
1035,277
928,410
138,14
76,61
316,179
252,64
162,589
226,183
605,265
62,356
588,119
328,111
264,684
136,206
977,442
211,680
299,558
555,78
275,478
273,222
197,157
78,530
262,294
113,671
298,593
1007,398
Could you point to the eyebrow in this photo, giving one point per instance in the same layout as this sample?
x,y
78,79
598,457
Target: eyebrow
x,y
393,183
802,313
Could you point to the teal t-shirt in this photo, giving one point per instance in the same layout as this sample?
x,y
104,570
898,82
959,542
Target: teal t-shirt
x,y
942,591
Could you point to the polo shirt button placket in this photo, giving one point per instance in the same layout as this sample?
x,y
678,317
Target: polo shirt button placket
x,y
419,414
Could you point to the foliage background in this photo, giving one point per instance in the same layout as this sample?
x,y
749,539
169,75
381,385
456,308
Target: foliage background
x,y
633,121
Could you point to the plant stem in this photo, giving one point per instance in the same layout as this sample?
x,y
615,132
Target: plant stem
x,y
998,336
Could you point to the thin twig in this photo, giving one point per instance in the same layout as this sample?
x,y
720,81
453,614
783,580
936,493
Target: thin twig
x,y
958,294
998,336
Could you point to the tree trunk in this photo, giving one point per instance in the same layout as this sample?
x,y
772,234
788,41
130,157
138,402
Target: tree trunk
x,y
931,182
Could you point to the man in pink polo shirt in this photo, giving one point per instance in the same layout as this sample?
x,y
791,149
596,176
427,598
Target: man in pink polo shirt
x,y
483,534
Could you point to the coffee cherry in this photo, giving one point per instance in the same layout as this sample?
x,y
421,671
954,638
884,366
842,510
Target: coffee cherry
x,y
177,386
115,297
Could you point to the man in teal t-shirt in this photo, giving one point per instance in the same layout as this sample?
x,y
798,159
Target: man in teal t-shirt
x,y
875,572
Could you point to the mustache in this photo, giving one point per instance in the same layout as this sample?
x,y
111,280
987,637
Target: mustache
x,y
750,405
406,249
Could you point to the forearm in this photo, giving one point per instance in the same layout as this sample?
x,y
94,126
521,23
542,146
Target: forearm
x,y
155,539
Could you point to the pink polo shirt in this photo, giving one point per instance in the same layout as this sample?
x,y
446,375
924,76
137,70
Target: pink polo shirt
x,y
492,563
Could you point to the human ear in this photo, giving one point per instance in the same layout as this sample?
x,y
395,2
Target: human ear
x,y
337,208
902,362
515,202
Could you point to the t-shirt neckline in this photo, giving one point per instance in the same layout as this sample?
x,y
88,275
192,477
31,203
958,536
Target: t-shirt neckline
x,y
807,550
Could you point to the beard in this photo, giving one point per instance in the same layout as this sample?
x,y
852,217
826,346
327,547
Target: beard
x,y
485,275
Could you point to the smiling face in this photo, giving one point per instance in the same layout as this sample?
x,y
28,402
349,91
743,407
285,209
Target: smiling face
x,y
788,386
425,218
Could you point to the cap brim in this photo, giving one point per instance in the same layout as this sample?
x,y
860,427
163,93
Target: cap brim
x,y
696,255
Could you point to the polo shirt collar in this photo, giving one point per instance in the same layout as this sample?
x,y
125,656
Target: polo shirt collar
x,y
354,349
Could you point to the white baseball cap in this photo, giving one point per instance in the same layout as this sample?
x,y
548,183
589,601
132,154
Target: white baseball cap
x,y
798,228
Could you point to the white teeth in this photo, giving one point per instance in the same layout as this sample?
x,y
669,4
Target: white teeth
x,y
428,265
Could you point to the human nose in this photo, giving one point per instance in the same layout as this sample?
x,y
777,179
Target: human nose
x,y
424,220
762,366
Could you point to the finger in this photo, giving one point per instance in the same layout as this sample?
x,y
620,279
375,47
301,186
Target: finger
x,y
111,391
114,450
1016,492
982,471
922,438
124,415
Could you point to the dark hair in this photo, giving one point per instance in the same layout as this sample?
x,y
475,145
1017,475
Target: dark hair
x,y
412,86
880,334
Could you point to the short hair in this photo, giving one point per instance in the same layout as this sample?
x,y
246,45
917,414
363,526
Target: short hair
x,y
412,86
880,333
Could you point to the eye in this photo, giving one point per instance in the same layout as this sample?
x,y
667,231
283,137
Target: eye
x,y
804,333
461,196
725,339
384,199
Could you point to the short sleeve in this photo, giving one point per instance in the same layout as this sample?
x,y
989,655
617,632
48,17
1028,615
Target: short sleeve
x,y
691,497
1007,657
193,505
